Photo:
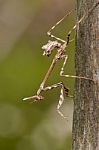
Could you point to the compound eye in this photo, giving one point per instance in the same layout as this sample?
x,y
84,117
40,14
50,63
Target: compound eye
x,y
47,49
47,53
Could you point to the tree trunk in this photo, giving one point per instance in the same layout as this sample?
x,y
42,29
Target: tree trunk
x,y
86,102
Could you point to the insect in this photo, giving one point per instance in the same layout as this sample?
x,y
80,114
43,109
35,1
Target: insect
x,y
61,46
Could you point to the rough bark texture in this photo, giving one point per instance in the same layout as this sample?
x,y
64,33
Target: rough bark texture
x,y
86,101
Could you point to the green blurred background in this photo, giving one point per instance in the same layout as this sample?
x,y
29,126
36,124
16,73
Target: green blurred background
x,y
23,27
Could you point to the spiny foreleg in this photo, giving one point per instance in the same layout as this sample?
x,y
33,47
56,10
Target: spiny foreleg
x,y
64,90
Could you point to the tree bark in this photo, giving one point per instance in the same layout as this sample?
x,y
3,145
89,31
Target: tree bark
x,y
86,102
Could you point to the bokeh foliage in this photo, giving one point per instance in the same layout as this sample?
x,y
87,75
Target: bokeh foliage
x,y
23,125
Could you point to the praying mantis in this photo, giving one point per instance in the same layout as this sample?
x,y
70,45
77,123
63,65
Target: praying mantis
x,y
61,54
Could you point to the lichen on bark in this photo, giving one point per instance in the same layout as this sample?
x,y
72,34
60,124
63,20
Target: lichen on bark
x,y
86,102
